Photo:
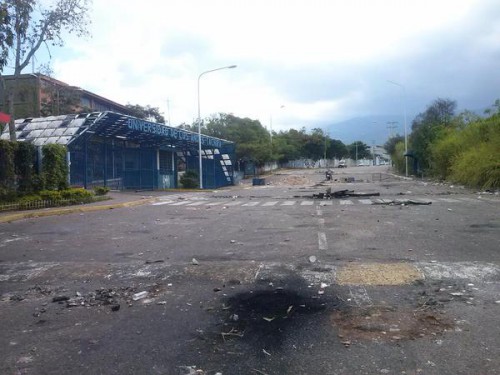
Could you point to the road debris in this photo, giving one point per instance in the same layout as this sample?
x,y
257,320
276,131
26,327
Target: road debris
x,y
140,295
345,193
194,262
312,259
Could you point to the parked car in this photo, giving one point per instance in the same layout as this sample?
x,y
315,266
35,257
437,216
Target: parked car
x,y
342,164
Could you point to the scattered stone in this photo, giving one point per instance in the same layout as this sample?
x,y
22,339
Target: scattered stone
x,y
217,289
194,262
233,241
140,295
312,259
60,298
323,285
115,307
161,302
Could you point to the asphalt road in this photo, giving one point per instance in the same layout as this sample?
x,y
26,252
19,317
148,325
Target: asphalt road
x,y
260,280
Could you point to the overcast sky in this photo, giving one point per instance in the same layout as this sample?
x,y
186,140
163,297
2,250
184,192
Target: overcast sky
x,y
303,63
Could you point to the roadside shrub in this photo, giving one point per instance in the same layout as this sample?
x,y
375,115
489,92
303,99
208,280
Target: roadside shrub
x,y
24,202
77,195
478,167
54,166
398,157
24,167
101,190
7,195
7,169
50,195
189,180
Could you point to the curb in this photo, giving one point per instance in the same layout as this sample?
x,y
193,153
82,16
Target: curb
x,y
65,211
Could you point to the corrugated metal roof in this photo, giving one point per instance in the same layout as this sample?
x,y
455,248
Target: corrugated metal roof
x,y
66,129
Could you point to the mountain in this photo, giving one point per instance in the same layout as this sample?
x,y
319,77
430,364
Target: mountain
x,y
368,129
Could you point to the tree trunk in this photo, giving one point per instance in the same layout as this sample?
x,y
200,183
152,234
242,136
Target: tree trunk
x,y
10,100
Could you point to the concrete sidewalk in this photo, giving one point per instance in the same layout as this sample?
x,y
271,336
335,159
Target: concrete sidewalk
x,y
117,200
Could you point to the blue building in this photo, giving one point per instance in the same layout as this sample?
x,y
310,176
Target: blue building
x,y
124,152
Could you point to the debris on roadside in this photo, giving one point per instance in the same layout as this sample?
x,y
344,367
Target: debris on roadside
x,y
343,194
140,295
402,202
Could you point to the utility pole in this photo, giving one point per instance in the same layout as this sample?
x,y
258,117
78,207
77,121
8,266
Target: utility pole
x,y
391,125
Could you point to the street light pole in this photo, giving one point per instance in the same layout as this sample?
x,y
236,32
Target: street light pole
x,y
404,112
199,119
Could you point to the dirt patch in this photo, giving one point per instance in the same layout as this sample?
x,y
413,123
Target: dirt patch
x,y
293,180
378,274
388,324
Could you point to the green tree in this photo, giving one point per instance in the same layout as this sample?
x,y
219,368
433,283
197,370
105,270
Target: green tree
x,y
390,145
253,141
33,24
6,35
146,113
315,145
427,128
336,149
359,149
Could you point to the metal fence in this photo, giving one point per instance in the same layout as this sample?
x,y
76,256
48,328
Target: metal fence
x,y
39,204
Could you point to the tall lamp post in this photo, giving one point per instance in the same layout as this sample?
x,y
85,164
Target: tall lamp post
x,y
406,133
199,118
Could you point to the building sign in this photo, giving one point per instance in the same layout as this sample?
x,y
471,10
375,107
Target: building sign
x,y
171,133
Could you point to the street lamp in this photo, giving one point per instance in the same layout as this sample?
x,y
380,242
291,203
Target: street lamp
x,y
406,133
199,119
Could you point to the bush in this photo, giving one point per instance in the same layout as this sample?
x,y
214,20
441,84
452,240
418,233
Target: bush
x,y
24,166
189,180
77,195
101,190
24,202
7,169
55,167
7,195
50,195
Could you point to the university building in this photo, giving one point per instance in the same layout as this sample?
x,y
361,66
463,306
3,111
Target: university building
x,y
108,147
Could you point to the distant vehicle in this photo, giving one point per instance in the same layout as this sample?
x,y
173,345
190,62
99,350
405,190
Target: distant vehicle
x,y
341,164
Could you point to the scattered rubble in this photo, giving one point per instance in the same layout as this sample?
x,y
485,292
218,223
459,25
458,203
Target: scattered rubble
x,y
343,194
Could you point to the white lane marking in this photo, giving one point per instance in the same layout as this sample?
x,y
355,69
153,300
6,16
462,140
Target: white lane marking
x,y
365,201
326,203
322,244
321,223
197,203
459,270
250,204
160,203
345,202
306,203
234,203
270,203
288,203
215,203
180,203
